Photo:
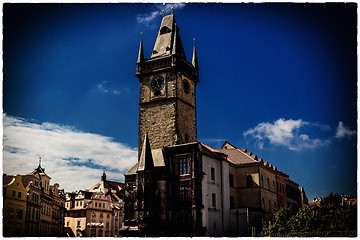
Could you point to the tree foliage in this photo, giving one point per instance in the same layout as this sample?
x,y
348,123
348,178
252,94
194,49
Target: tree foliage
x,y
330,215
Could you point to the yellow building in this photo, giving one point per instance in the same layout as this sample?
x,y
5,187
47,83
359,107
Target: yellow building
x,y
254,191
14,210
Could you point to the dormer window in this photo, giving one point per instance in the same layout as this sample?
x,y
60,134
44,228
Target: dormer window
x,y
164,30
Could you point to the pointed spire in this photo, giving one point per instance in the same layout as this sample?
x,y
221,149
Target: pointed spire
x,y
146,160
39,168
103,177
175,40
168,40
194,58
141,51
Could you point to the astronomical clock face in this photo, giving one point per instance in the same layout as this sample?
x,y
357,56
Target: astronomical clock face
x,y
186,86
157,83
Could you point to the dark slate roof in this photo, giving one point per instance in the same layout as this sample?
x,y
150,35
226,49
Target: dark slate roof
x,y
168,41
132,170
145,160
7,179
26,179
158,161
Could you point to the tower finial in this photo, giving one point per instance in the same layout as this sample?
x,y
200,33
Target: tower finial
x,y
172,10
40,161
194,59
163,13
141,51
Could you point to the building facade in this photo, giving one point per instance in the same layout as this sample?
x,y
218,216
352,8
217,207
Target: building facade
x,y
97,212
44,205
180,186
32,184
14,209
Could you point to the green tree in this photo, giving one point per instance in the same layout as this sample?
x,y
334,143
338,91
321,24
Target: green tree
x,y
330,215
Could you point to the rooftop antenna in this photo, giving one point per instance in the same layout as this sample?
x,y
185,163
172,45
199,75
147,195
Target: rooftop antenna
x,y
40,161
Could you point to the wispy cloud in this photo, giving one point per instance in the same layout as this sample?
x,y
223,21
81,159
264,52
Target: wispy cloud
x,y
342,131
104,89
72,158
148,18
287,133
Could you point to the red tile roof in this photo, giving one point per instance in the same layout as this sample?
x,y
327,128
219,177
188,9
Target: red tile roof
x,y
239,156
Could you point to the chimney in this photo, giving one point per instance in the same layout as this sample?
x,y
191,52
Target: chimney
x,y
56,188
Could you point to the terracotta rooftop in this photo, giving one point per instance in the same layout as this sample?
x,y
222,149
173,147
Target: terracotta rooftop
x,y
242,156
239,156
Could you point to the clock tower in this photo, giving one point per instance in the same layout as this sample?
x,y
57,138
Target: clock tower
x,y
167,104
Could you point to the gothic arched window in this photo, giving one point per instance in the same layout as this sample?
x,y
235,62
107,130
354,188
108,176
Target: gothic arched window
x,y
249,180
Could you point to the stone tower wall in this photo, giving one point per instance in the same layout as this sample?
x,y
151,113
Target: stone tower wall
x,y
186,122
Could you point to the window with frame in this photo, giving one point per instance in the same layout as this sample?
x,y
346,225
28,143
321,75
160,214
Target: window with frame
x,y
184,165
231,180
232,202
213,174
19,214
274,189
263,203
262,181
268,183
184,194
249,180
269,205
213,196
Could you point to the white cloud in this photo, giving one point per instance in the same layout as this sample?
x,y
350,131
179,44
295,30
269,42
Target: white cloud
x,y
147,18
103,89
284,133
72,158
342,131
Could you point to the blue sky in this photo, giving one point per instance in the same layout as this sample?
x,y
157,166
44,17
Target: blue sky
x,y
277,79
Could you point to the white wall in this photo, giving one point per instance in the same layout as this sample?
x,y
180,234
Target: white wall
x,y
216,220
